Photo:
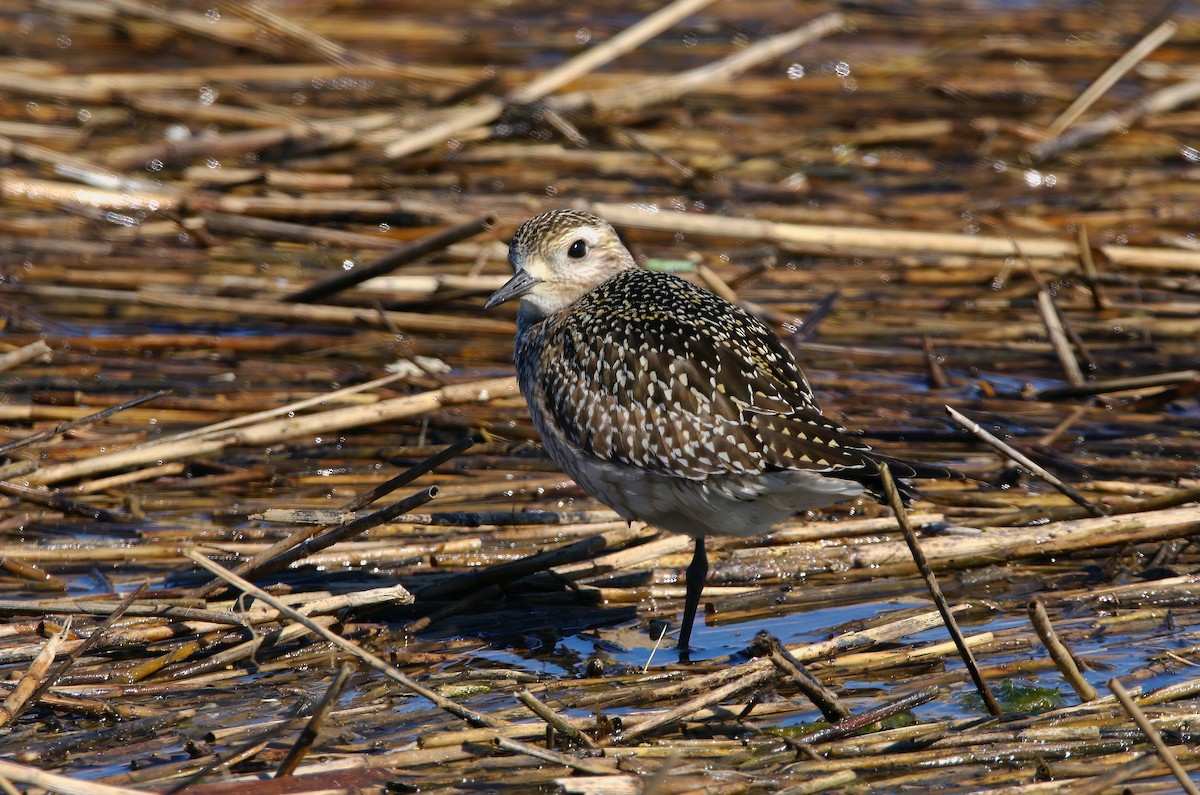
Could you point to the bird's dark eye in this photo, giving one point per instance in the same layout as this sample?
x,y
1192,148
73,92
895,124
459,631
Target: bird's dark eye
x,y
578,249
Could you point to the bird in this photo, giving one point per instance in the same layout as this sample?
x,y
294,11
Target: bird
x,y
666,402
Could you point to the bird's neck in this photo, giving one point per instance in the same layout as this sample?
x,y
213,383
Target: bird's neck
x,y
529,316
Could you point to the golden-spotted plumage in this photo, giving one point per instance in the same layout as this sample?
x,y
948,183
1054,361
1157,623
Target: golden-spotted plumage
x,y
647,370
666,402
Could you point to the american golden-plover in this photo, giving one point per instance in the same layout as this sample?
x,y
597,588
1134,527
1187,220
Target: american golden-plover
x,y
667,403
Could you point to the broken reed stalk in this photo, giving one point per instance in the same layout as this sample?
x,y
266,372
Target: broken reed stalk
x,y
1160,101
856,723
1058,338
933,365
819,784
409,475
278,430
334,535
653,784
65,504
345,279
35,676
288,409
64,785
627,40
236,755
246,650
11,607
885,558
1151,42
662,91
822,697
1119,385
490,109
288,231
583,549
296,36
93,641
449,518
481,596
106,709
28,353
61,428
1114,777
555,721
1058,430
755,678
311,729
465,713
858,639
310,540
318,313
1067,665
650,92
1022,460
896,502
593,767
850,641
1091,273
1156,740
831,239
15,469
27,571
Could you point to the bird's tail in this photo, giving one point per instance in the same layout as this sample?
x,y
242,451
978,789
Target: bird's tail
x,y
902,471
914,469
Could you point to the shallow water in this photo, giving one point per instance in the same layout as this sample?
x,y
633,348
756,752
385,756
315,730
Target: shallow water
x,y
828,136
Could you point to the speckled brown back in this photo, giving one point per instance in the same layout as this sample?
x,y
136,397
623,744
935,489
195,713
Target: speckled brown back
x,y
650,371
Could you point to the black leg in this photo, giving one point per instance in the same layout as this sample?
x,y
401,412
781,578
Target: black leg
x,y
697,573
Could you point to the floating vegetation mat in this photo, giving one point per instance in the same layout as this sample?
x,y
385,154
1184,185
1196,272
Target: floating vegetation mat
x,y
273,518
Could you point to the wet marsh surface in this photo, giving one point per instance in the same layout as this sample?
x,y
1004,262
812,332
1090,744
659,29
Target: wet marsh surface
x,y
939,235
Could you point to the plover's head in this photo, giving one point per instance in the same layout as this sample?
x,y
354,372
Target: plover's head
x,y
559,256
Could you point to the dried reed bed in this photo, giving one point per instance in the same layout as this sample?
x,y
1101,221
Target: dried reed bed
x,y
987,209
